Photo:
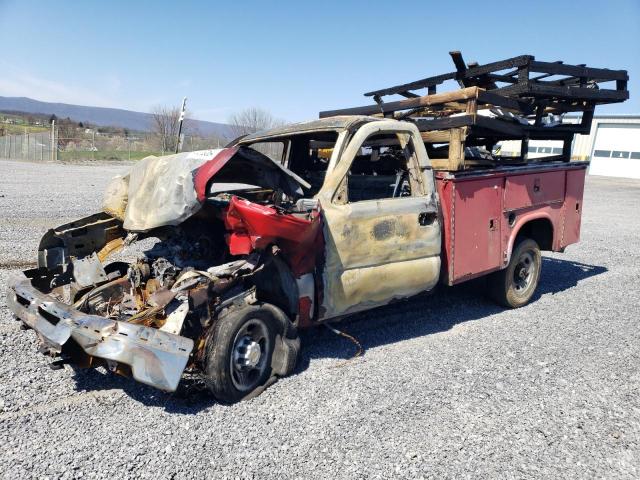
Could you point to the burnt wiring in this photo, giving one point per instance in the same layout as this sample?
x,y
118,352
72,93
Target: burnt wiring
x,y
360,348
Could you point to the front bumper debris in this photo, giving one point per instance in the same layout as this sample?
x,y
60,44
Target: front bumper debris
x,y
155,357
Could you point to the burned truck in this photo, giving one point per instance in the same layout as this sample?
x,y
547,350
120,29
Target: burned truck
x,y
242,247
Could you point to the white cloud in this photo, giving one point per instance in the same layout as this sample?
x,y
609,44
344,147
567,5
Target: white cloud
x,y
16,82
109,91
220,114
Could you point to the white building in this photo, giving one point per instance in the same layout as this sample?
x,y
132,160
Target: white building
x,y
612,146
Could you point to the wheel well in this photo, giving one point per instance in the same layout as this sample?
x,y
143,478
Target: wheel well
x,y
540,230
276,284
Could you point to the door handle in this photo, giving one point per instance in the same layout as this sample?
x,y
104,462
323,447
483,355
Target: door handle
x,y
426,218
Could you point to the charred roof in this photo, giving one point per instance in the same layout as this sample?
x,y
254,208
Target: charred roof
x,y
340,122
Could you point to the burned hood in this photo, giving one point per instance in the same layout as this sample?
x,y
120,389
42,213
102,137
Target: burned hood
x,y
167,190
244,165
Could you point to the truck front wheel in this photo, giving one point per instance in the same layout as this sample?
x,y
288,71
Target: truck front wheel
x,y
514,286
247,349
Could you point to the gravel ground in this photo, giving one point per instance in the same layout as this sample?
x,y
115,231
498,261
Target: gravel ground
x,y
450,386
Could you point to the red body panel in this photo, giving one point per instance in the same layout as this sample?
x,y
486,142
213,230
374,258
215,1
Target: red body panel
x,y
573,207
253,226
209,169
483,212
523,191
477,206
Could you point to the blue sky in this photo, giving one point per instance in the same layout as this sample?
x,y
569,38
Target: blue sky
x,y
293,58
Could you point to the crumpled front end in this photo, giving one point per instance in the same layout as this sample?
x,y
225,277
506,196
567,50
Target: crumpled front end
x,y
155,358
183,242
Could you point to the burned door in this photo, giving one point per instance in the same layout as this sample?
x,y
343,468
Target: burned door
x,y
381,226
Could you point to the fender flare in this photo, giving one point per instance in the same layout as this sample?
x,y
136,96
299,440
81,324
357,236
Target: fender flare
x,y
520,223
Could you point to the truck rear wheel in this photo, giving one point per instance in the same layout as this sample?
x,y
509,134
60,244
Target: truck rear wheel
x,y
246,350
514,286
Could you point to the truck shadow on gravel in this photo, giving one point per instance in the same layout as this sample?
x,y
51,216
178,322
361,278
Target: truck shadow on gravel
x,y
190,398
432,313
413,318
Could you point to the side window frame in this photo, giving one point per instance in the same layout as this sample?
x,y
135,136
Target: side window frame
x,y
406,140
283,154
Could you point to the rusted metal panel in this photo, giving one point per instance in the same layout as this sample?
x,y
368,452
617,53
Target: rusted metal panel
x,y
523,191
446,191
551,213
156,358
470,249
476,229
573,207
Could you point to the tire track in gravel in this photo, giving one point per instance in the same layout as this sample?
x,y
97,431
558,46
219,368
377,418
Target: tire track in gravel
x,y
11,264
64,402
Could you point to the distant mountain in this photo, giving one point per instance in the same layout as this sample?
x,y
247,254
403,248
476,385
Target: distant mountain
x,y
105,117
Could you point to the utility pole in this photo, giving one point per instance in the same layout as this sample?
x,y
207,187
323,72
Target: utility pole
x,y
54,147
182,112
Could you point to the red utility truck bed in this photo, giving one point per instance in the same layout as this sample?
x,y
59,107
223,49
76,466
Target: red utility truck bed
x,y
483,211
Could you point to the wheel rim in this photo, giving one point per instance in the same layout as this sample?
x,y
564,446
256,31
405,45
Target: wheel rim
x,y
250,354
525,272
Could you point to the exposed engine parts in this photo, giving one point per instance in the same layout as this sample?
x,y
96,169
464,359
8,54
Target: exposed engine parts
x,y
138,273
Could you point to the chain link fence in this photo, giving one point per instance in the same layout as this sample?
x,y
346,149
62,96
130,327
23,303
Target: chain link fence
x,y
90,145
35,147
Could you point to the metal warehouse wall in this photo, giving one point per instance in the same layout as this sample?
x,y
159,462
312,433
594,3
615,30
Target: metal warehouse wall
x,y
615,139
615,150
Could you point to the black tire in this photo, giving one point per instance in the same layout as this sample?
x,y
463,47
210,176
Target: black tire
x,y
514,286
239,360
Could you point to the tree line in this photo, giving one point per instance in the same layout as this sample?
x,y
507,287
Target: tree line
x,y
165,124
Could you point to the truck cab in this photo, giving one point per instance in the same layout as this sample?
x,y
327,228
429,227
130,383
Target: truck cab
x,y
393,227
378,204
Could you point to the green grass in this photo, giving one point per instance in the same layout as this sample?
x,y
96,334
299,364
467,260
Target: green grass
x,y
77,155
19,129
21,124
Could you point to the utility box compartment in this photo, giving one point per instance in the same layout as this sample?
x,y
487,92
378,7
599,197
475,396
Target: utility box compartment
x,y
573,207
477,205
523,191
484,211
